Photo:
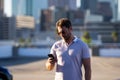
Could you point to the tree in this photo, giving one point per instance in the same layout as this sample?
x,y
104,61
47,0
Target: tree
x,y
86,38
114,35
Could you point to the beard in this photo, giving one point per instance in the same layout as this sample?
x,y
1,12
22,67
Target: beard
x,y
66,37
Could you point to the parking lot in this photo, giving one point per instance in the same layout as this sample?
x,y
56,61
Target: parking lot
x,y
33,68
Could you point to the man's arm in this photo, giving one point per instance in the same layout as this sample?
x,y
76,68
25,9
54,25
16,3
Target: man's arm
x,y
87,67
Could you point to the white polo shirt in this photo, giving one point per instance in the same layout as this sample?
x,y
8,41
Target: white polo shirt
x,y
69,59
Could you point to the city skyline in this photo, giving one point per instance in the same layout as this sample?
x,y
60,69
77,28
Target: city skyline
x,y
8,7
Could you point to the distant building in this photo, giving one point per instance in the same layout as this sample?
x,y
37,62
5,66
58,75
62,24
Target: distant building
x,y
89,4
100,7
105,9
115,8
50,16
77,17
24,22
1,7
29,7
46,20
18,7
7,31
68,4
24,26
13,28
22,7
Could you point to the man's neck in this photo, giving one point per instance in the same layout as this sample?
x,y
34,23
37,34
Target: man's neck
x,y
70,40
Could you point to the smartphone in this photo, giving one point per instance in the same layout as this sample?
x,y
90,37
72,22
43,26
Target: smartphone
x,y
50,55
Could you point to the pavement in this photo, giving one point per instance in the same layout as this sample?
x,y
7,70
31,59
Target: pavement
x,y
33,68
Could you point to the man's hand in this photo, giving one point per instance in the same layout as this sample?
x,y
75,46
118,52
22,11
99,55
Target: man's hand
x,y
50,63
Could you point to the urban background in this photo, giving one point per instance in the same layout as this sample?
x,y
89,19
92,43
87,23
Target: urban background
x,y
32,22
27,32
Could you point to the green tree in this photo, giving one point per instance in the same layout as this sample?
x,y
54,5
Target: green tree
x,y
114,35
86,38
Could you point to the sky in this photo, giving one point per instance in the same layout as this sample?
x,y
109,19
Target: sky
x,y
78,3
8,7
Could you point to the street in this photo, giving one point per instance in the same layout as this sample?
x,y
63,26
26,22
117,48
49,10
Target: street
x,y
25,68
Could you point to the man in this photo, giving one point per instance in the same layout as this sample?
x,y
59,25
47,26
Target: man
x,y
70,53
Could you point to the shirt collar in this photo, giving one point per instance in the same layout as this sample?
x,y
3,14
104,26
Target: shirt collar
x,y
75,39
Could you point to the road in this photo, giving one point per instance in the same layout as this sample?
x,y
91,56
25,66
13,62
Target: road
x,y
103,68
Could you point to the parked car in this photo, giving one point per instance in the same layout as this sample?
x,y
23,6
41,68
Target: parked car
x,y
5,74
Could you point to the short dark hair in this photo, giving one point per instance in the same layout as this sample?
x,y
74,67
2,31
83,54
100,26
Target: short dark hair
x,y
64,22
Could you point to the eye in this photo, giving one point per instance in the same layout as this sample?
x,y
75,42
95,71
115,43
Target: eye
x,y
63,32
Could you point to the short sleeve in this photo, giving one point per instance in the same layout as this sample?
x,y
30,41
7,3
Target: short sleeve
x,y
85,51
52,50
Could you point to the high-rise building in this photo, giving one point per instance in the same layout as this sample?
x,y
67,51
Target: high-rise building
x,y
1,4
24,26
85,4
29,7
68,4
89,4
22,7
7,30
105,9
100,7
1,7
18,7
114,4
39,5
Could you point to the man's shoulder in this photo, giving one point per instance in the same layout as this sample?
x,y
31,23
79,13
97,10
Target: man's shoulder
x,y
79,41
58,42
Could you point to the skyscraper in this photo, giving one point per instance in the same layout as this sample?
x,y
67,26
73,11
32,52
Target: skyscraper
x,y
69,4
22,7
18,7
101,7
1,4
29,7
1,7
89,4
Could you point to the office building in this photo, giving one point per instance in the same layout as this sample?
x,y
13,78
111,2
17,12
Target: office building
x,y
68,4
24,26
18,7
1,7
89,4
105,9
7,31
29,7
114,4
22,7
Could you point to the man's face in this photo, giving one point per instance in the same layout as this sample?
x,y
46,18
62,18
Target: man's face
x,y
64,32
